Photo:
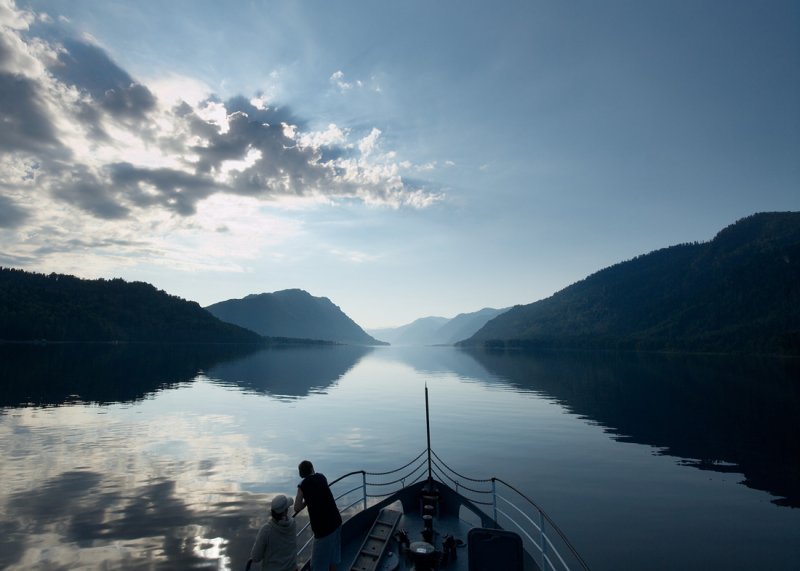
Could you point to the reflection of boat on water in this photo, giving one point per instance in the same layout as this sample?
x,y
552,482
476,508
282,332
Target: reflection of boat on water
x,y
425,516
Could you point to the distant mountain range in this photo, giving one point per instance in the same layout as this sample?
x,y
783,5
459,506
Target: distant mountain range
x,y
59,307
740,292
292,313
437,330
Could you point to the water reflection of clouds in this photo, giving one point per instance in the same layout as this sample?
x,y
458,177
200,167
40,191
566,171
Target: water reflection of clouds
x,y
352,437
81,488
108,530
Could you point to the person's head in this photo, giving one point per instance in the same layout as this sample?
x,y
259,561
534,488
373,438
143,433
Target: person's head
x,y
305,468
279,507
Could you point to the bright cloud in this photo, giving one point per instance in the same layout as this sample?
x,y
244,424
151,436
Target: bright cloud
x,y
337,79
172,89
93,162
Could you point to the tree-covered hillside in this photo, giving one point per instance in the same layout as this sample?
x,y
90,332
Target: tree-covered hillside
x,y
65,308
739,292
293,313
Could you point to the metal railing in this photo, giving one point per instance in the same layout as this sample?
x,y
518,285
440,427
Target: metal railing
x,y
508,507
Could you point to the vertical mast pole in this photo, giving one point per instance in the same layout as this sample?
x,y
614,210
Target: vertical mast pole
x,y
428,429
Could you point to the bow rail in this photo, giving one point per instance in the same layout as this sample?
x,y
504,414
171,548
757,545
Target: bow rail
x,y
507,507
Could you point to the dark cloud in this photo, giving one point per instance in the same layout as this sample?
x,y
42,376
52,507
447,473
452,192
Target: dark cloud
x,y
11,215
232,145
83,189
89,68
132,102
26,124
11,260
58,247
333,153
91,118
274,115
176,190
283,166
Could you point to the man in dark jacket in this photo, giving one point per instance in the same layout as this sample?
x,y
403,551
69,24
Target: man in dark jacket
x,y
326,522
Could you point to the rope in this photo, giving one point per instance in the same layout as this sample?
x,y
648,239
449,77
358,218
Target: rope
x,y
418,478
456,473
397,480
463,487
398,469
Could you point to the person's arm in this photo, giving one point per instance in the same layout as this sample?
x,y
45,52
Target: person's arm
x,y
299,501
260,546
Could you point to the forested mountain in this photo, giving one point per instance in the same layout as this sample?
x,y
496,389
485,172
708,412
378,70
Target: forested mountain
x,y
437,330
59,307
740,292
293,313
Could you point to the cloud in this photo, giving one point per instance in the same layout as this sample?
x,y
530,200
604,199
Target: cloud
x,y
88,148
132,102
77,243
11,215
81,187
337,79
367,144
27,127
353,256
88,68
173,189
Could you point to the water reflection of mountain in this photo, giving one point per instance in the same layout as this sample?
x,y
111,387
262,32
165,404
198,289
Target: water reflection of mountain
x,y
434,360
290,371
717,413
53,374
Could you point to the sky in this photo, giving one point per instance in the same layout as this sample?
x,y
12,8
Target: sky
x,y
403,159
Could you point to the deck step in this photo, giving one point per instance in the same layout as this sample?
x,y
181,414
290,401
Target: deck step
x,y
374,546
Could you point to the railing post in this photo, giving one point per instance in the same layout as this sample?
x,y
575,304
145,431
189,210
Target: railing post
x,y
494,502
428,430
543,540
364,488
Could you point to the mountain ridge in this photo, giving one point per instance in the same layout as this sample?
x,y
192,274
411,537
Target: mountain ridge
x,y
739,292
60,307
292,313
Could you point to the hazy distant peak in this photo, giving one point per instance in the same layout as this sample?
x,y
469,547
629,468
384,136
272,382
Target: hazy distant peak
x,y
436,330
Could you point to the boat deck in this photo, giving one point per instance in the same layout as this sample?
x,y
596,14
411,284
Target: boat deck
x,y
427,525
400,556
396,557
391,535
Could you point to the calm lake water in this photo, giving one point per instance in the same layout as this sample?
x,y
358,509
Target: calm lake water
x,y
120,457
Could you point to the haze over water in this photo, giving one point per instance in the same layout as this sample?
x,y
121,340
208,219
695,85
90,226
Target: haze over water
x,y
143,458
